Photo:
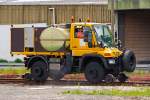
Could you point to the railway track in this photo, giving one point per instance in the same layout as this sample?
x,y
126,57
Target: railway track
x,y
73,83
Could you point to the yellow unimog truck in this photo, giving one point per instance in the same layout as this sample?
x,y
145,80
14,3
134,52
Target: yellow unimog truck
x,y
82,47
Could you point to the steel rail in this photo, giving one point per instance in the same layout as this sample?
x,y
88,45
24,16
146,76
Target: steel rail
x,y
138,67
73,83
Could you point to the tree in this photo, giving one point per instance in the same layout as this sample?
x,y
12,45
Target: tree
x,y
18,61
3,61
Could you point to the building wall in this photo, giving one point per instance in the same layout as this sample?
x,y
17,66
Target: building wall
x,y
134,31
130,4
22,14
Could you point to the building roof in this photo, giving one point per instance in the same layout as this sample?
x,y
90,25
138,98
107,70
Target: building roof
x,y
53,2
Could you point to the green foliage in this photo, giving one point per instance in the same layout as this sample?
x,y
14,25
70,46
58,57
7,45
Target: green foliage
x,y
15,61
113,92
3,61
18,61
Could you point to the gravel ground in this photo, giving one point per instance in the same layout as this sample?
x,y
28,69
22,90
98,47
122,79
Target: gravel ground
x,y
53,92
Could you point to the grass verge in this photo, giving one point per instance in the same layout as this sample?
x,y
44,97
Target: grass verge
x,y
113,92
13,71
139,73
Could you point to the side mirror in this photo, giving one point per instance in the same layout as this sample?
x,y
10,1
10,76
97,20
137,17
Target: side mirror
x,y
116,37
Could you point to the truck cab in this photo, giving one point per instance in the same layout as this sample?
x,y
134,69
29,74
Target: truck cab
x,y
97,38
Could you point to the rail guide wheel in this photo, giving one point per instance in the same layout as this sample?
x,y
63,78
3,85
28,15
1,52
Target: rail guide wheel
x,y
109,78
122,77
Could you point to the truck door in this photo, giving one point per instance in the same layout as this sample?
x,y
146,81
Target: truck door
x,y
82,37
82,41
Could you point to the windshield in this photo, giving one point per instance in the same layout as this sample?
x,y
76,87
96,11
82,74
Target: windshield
x,y
103,35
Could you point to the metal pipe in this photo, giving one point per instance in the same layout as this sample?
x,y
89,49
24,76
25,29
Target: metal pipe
x,y
53,10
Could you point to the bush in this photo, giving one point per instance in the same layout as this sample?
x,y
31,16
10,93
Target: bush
x,y
18,61
3,61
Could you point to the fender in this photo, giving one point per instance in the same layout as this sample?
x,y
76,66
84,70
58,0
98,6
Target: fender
x,y
32,59
97,56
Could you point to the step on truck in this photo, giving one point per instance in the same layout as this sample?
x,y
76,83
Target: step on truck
x,y
78,47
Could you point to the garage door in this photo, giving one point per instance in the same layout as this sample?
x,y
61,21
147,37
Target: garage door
x,y
137,33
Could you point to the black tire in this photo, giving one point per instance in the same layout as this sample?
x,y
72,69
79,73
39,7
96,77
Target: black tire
x,y
94,72
39,71
129,61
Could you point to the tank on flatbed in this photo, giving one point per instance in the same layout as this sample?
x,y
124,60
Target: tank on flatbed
x,y
54,39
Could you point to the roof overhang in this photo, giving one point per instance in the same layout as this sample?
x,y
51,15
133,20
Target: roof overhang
x,y
54,2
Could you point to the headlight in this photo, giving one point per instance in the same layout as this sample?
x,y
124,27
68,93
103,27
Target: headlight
x,y
111,61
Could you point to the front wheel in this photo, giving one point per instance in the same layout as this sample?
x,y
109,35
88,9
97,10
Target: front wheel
x,y
94,72
39,71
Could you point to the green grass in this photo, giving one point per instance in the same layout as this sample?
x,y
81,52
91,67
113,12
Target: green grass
x,y
13,71
139,73
113,92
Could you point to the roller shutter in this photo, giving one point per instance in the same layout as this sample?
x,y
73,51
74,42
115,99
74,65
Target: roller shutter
x,y
137,33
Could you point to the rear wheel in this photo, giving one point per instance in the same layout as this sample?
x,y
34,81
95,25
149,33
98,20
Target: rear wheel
x,y
94,72
39,71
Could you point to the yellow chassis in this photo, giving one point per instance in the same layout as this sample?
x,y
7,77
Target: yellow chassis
x,y
56,54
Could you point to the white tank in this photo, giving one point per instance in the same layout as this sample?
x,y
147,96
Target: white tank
x,y
54,39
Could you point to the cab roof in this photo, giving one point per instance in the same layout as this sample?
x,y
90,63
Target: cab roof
x,y
68,25
89,23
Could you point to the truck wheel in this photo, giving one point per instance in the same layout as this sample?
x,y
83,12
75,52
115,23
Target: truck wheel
x,y
39,71
129,61
94,72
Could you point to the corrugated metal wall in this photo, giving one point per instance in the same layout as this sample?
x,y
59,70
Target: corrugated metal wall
x,y
41,14
137,33
134,32
130,4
